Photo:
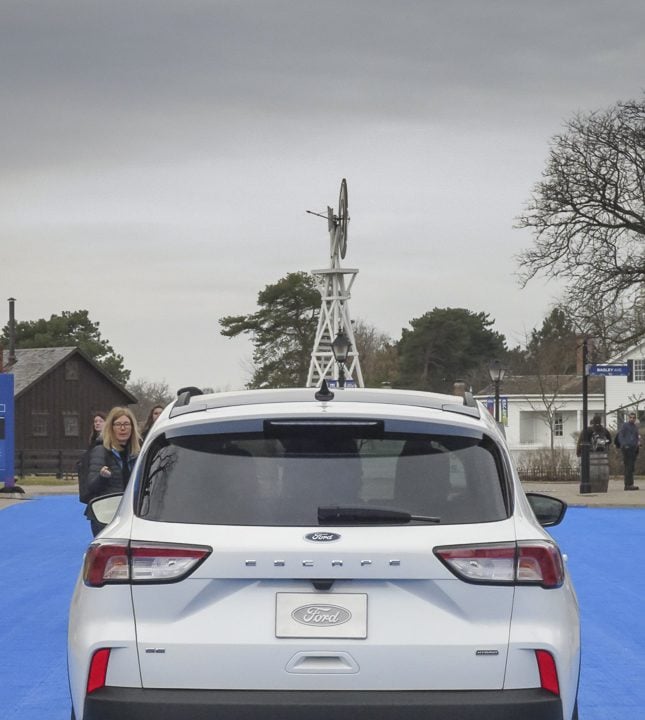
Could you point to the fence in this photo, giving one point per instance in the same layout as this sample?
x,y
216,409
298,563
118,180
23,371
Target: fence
x,y
61,463
545,474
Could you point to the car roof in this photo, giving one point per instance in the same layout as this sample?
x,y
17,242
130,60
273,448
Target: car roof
x,y
192,401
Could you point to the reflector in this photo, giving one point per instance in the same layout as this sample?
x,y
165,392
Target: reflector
x,y
98,670
548,671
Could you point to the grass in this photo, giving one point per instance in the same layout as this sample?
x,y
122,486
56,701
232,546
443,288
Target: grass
x,y
28,480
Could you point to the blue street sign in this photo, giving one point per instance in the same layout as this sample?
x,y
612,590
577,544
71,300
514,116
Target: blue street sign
x,y
608,369
349,383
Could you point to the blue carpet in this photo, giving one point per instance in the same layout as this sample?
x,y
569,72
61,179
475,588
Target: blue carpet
x,y
42,542
605,550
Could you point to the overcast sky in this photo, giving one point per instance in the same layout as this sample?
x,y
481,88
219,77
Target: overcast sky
x,y
158,157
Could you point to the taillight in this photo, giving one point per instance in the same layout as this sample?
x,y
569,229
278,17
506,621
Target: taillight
x,y
120,561
524,563
165,563
106,562
548,671
540,563
98,670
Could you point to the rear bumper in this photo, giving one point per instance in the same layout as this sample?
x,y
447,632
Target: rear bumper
x,y
116,703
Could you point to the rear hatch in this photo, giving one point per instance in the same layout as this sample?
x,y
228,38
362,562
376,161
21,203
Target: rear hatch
x,y
320,563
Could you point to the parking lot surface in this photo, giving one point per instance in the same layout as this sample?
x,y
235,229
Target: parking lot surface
x,y
42,540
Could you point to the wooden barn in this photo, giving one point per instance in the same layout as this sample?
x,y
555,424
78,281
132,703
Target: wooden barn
x,y
57,390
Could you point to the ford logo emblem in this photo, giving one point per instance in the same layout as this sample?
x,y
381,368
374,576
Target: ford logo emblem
x,y
322,536
321,615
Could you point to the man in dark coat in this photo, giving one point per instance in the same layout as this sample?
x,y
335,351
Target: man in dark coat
x,y
629,440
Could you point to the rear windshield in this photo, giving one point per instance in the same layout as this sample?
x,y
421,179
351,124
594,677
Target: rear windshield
x,y
283,478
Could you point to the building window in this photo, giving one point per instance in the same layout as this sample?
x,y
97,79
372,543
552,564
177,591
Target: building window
x,y
39,424
558,425
71,425
639,370
71,370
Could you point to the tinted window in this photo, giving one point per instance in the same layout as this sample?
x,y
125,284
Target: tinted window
x,y
258,479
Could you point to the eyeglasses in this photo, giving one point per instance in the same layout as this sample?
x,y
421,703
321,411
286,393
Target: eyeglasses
x,y
122,425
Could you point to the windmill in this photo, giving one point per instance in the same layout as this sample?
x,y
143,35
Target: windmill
x,y
334,323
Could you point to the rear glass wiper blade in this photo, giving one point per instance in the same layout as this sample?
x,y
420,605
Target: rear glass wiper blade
x,y
342,515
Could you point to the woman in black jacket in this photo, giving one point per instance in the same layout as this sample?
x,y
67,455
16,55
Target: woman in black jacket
x,y
96,433
154,413
110,464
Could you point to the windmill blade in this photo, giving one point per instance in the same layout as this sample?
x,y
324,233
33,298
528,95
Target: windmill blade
x,y
343,219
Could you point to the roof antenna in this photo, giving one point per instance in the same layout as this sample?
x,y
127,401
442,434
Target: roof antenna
x,y
324,393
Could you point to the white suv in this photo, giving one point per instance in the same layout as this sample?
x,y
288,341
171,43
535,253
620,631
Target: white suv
x,y
308,554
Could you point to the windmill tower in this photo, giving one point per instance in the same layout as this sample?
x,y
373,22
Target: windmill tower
x,y
334,323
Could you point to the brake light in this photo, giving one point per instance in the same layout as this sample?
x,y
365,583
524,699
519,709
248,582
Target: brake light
x,y
548,671
120,561
98,670
536,562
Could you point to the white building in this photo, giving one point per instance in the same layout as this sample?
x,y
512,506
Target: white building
x,y
540,410
627,392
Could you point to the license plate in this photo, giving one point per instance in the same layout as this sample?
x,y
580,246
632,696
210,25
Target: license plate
x,y
305,615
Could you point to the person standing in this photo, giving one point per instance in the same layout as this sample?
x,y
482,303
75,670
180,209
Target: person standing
x,y
96,433
83,464
597,435
629,440
154,413
111,463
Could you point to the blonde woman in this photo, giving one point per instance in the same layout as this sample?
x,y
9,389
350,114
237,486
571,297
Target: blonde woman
x,y
111,463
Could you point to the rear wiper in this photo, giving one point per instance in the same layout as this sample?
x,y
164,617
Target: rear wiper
x,y
342,515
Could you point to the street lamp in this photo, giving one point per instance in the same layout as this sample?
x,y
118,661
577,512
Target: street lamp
x,y
340,347
496,371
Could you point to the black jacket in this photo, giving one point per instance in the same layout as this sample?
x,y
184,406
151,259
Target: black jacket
x,y
100,456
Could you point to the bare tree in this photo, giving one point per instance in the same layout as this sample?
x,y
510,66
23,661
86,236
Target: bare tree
x,y
612,327
549,405
377,352
551,357
149,394
588,217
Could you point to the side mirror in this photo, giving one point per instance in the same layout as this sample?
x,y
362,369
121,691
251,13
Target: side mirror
x,y
548,510
103,509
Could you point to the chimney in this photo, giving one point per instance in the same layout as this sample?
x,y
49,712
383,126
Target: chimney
x,y
459,388
12,332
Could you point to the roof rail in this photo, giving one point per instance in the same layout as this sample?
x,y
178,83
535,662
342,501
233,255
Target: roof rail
x,y
469,400
184,394
453,403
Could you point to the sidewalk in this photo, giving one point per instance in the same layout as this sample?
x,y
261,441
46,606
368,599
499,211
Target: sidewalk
x,y
33,491
616,496
569,492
